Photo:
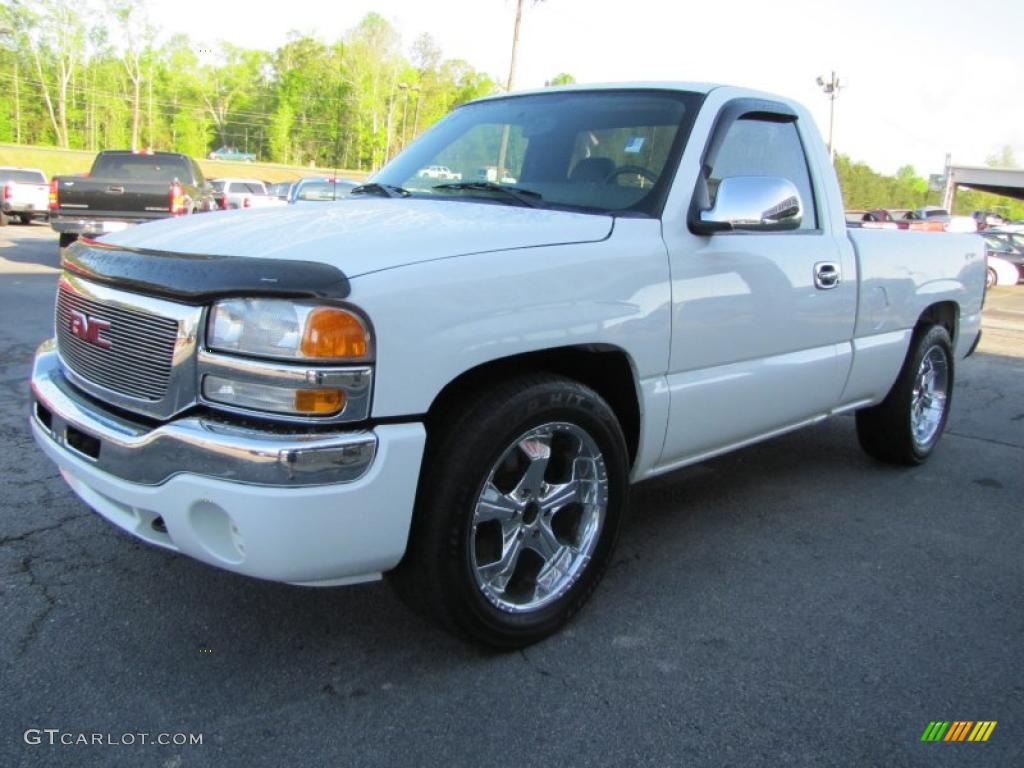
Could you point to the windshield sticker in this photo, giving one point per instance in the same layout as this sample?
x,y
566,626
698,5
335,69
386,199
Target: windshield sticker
x,y
634,145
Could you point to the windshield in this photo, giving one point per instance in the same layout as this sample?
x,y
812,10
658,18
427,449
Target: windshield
x,y
247,187
140,167
22,177
601,151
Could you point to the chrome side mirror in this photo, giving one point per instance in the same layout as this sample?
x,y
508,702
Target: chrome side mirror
x,y
752,204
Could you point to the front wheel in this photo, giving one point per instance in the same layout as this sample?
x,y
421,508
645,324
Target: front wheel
x,y
518,512
905,427
991,278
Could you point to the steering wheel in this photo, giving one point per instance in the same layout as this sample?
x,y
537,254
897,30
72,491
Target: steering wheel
x,y
639,170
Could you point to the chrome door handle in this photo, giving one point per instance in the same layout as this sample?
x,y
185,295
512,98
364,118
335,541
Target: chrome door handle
x,y
826,275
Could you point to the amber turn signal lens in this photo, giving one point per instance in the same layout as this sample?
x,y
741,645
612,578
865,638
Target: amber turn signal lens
x,y
332,332
319,400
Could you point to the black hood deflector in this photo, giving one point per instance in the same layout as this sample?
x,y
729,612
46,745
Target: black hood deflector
x,y
195,279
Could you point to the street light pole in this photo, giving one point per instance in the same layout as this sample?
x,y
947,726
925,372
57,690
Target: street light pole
x,y
831,87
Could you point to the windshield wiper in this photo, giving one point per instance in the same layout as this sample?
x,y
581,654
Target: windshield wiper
x,y
381,190
525,197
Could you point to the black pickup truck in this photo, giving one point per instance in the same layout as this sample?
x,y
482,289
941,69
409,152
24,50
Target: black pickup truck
x,y
125,188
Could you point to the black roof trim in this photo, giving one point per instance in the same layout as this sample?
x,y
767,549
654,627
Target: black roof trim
x,y
199,279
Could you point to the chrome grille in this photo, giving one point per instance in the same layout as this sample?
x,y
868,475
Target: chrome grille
x,y
138,361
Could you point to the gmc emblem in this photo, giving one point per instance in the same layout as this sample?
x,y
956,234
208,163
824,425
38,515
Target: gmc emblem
x,y
88,328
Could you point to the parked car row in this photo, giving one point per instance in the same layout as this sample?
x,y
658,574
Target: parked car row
x,y
126,187
929,218
1004,240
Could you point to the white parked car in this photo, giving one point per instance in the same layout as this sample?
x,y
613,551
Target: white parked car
x,y
1000,272
438,172
456,387
24,193
242,193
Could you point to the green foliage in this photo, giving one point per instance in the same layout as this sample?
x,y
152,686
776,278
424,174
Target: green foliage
x,y
90,78
562,78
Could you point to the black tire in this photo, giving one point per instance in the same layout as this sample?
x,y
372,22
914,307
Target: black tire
x,y
438,572
886,431
67,238
991,278
25,219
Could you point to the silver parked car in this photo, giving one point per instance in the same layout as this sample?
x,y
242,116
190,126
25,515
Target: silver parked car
x,y
321,190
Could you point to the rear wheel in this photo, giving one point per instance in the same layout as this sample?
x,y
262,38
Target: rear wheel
x,y
25,219
67,238
519,506
905,427
991,278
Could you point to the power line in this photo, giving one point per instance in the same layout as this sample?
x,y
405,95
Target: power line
x,y
202,109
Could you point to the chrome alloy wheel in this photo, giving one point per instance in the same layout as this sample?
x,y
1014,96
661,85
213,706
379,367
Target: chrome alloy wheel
x,y
929,396
538,517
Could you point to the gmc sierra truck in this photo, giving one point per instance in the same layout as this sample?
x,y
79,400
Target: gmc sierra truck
x,y
125,188
455,382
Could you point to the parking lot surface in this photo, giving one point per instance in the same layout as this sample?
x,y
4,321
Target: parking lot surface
x,y
794,603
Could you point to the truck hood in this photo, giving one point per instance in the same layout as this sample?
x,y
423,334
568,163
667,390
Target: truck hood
x,y
361,235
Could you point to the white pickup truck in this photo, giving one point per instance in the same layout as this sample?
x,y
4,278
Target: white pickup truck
x,y
24,193
456,383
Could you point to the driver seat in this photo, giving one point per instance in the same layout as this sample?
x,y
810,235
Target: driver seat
x,y
592,170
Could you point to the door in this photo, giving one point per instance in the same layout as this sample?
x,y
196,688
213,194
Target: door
x,y
761,327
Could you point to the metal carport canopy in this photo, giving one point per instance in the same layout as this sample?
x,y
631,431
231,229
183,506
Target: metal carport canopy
x,y
999,181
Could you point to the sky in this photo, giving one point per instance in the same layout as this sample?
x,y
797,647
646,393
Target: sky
x,y
921,79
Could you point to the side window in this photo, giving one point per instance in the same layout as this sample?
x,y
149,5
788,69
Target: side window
x,y
757,147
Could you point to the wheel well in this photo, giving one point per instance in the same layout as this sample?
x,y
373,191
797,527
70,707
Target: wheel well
x,y
606,370
944,313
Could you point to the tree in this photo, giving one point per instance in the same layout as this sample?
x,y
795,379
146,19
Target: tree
x,y
137,34
91,74
562,78
1003,159
55,35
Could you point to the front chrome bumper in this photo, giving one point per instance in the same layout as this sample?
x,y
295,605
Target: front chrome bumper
x,y
150,456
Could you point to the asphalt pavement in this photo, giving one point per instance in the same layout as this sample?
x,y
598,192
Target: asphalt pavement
x,y
794,603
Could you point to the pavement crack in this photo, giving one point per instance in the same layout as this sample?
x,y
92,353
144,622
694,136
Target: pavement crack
x,y
541,671
986,440
36,624
44,529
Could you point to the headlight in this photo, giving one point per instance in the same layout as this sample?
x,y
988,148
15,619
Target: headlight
x,y
288,330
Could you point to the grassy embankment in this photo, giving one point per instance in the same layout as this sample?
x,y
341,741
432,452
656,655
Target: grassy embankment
x,y
53,161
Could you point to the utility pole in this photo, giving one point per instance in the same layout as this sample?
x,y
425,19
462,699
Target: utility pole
x,y
503,148
831,87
